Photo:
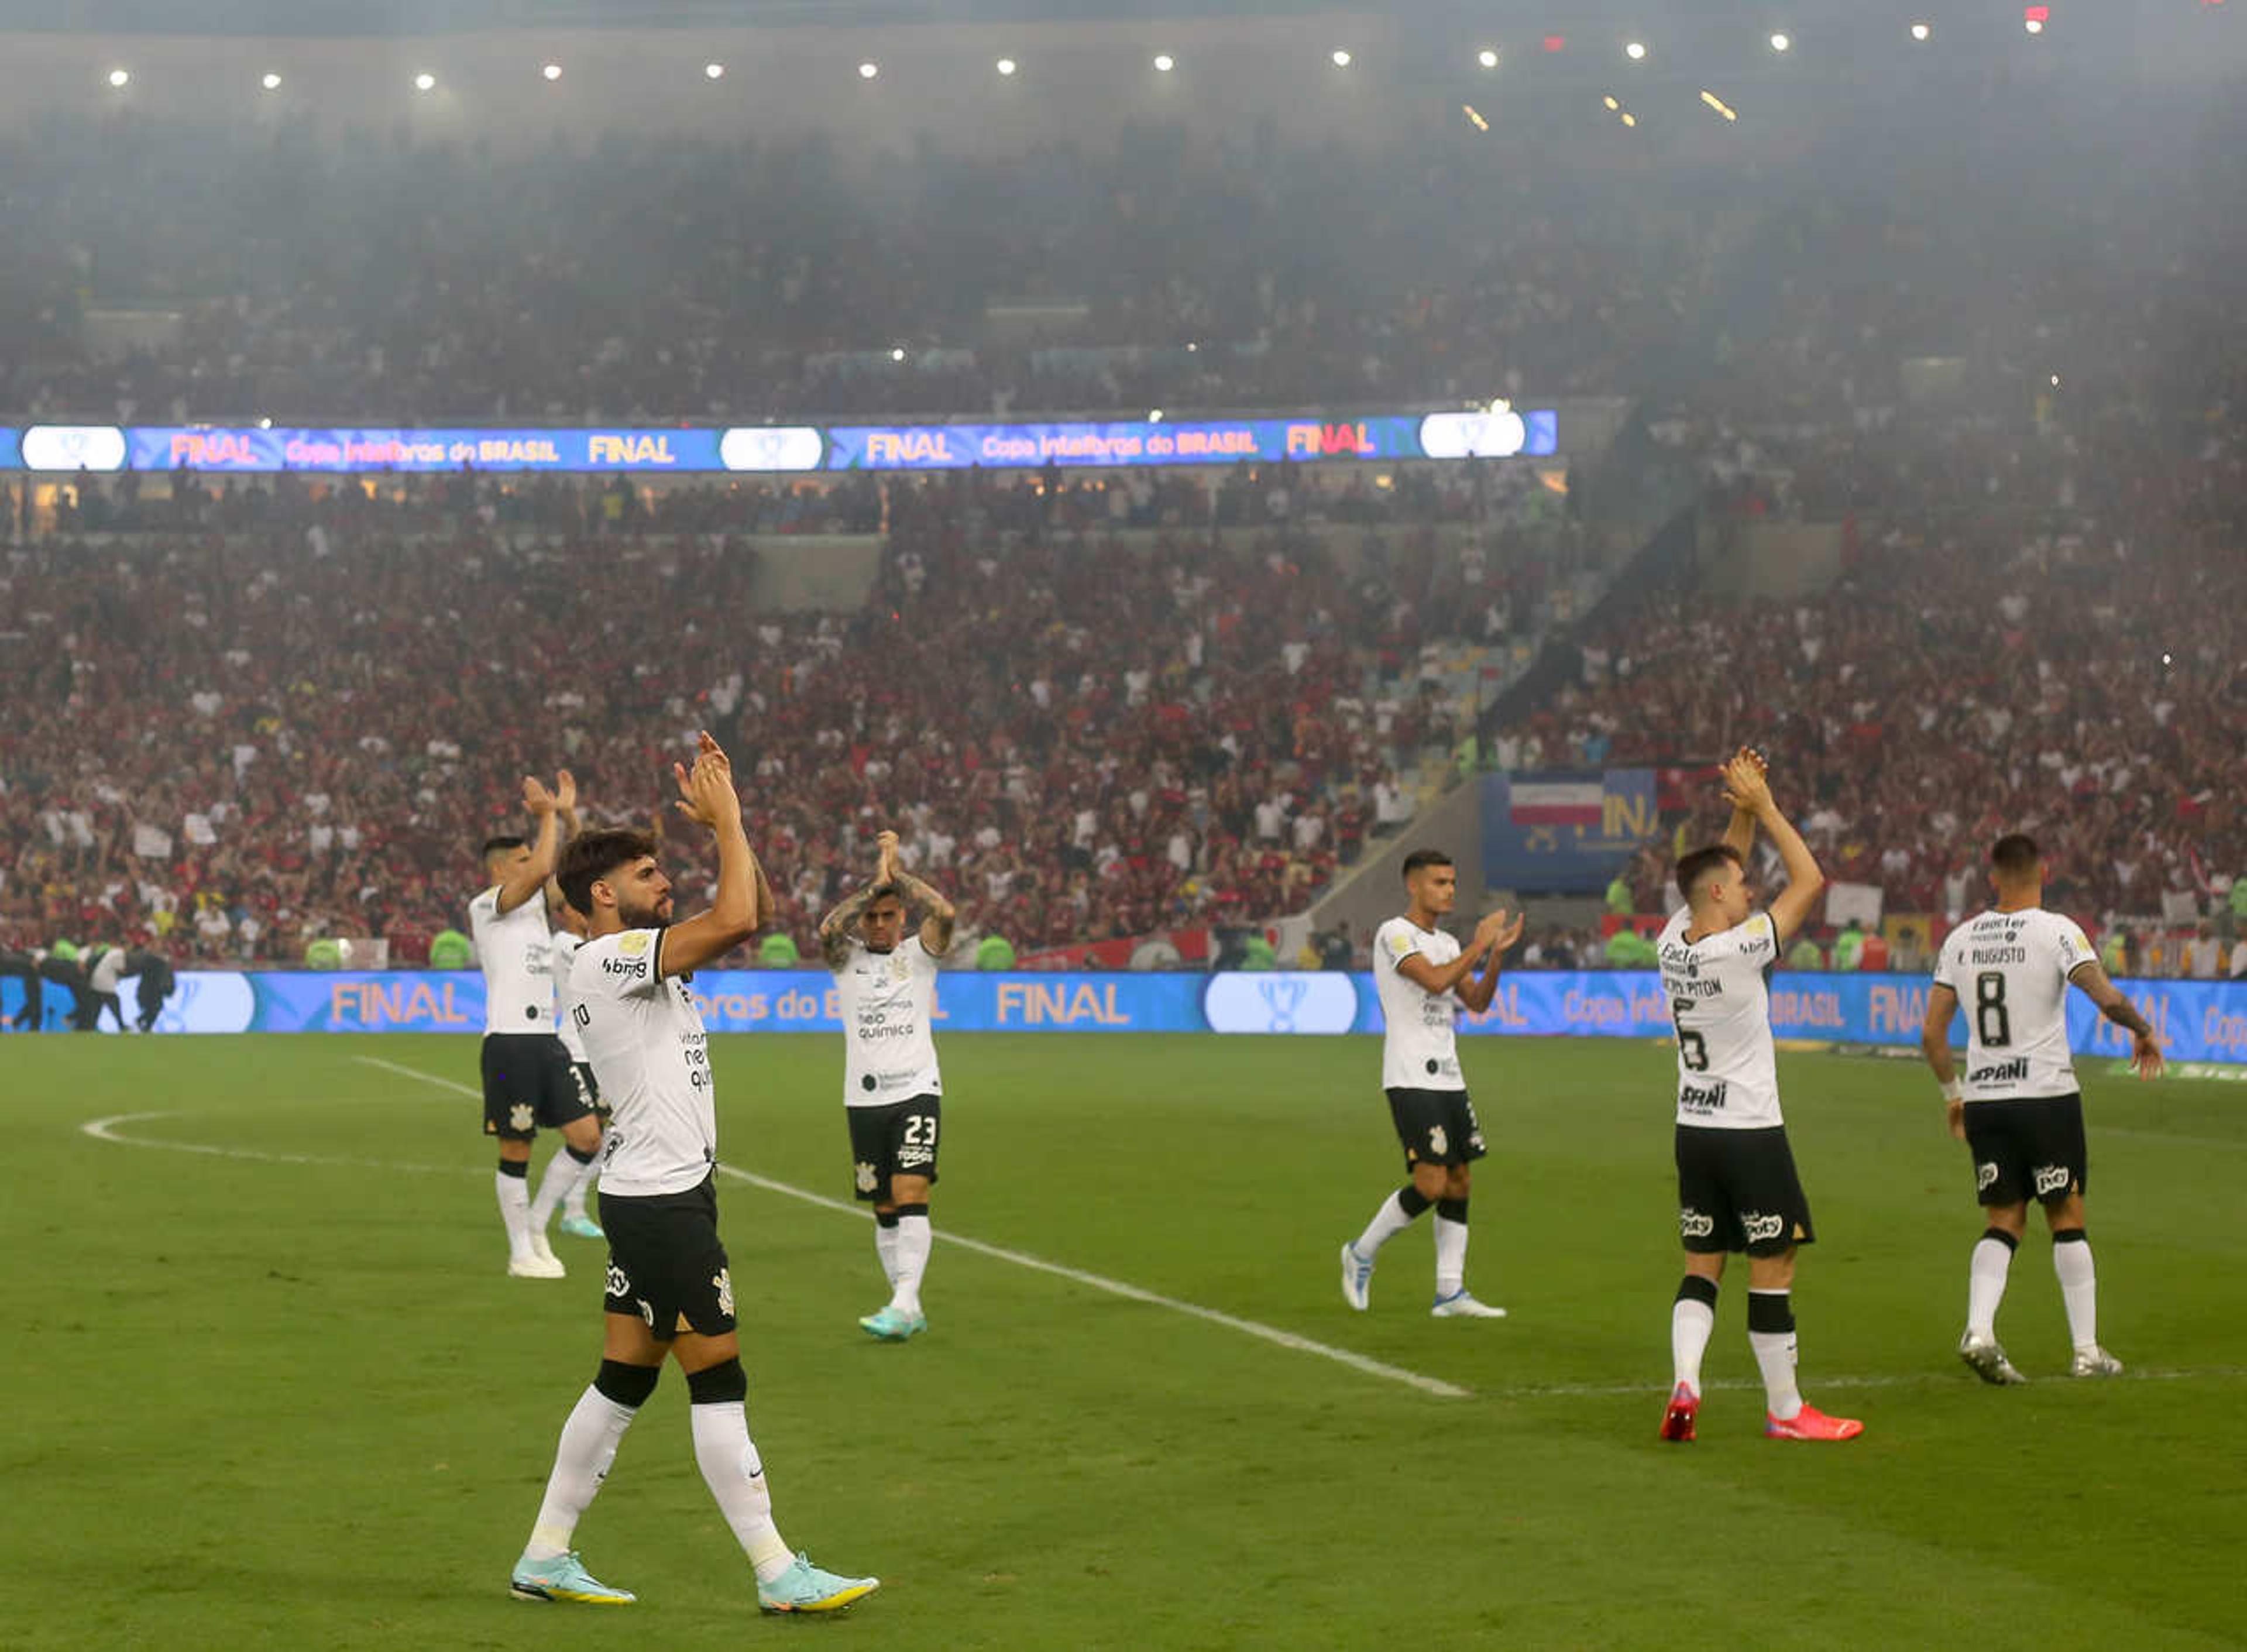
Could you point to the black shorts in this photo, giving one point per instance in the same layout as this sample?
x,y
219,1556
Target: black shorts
x,y
589,1090
529,1085
1736,1191
667,1263
1435,1127
2026,1148
897,1139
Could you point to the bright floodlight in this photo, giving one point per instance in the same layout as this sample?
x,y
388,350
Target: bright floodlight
x,y
120,77
1920,32
424,82
1007,65
714,71
868,71
1164,62
1342,60
1780,43
553,72
898,354
1154,415
1486,58
2034,25
1635,51
272,82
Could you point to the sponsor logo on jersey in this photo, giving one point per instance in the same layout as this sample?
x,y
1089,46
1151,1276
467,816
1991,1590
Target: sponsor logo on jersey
x,y
909,1157
723,1281
1759,1227
2013,1072
1692,1223
1703,1098
2050,1179
632,966
1985,1177
617,1284
634,944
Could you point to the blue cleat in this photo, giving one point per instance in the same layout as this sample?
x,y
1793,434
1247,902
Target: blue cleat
x,y
1357,1278
582,1227
890,1325
563,1578
804,1587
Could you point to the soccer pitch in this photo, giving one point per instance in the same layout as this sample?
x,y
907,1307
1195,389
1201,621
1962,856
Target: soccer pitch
x,y
270,1386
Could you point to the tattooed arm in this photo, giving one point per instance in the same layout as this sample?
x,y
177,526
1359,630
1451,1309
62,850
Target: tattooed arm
x,y
834,928
936,927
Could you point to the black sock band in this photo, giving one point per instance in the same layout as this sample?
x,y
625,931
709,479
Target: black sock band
x,y
1412,1200
626,1385
585,1157
912,1209
518,1168
1451,1209
2070,1236
724,1384
1770,1312
1694,1287
885,1218
2002,1237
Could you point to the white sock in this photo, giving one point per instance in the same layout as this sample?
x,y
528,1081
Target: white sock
x,y
1774,1352
885,1247
573,1202
563,1171
589,1445
914,1241
1451,1256
1986,1285
736,1476
514,1210
2078,1289
1389,1221
1692,1321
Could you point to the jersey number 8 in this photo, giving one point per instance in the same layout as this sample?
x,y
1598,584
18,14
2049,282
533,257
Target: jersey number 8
x,y
1692,1049
1991,1024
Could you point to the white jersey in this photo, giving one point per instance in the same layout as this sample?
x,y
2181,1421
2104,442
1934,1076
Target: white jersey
x,y
1720,1004
562,952
888,1001
1420,1046
2011,972
511,948
651,1060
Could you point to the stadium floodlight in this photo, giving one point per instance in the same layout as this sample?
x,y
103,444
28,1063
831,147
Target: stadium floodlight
x,y
713,71
1780,41
1341,59
553,72
1007,65
1920,32
272,82
1154,415
898,353
1486,58
120,78
1164,62
424,82
1636,51
2034,25
868,71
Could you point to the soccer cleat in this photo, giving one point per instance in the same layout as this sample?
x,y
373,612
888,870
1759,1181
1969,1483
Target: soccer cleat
x,y
1357,1279
541,1248
2094,1361
888,1325
1678,1420
582,1226
804,1587
1989,1361
1459,1306
1811,1424
563,1578
529,1265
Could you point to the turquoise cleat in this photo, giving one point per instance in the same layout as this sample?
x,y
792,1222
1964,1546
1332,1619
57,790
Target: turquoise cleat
x,y
582,1227
886,1323
563,1578
804,1587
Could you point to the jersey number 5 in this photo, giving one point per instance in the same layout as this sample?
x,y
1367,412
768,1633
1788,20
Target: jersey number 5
x,y
1991,1024
1692,1049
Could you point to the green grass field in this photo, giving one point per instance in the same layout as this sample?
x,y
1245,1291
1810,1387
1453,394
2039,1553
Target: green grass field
x,y
278,1392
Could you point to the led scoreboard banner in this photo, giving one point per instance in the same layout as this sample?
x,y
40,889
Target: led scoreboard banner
x,y
1499,433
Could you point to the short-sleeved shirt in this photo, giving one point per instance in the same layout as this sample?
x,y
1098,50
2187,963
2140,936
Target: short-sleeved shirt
x,y
511,949
1718,988
561,953
2011,972
1419,1041
651,1060
888,1001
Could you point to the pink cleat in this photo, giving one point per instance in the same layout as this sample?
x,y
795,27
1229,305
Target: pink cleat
x,y
1811,1424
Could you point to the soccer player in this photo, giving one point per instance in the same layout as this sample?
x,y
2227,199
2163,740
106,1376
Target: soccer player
x,y
892,1093
526,1070
1424,977
670,1290
568,927
2018,1108
1737,1186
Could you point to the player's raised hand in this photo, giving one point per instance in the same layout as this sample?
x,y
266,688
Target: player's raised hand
x,y
2145,1054
1499,928
535,798
565,792
1745,786
706,792
885,845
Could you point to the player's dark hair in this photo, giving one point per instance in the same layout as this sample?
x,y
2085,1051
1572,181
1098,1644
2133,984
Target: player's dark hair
x,y
591,856
500,845
1695,866
2014,856
1420,858
886,892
